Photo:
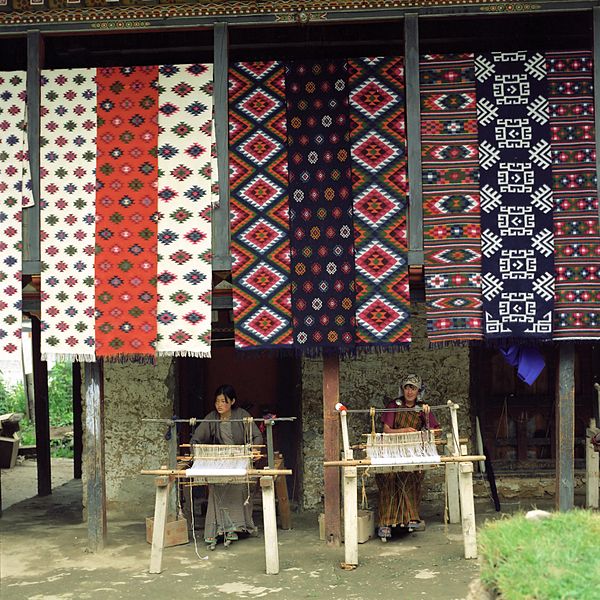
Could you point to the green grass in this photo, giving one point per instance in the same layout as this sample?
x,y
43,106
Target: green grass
x,y
554,559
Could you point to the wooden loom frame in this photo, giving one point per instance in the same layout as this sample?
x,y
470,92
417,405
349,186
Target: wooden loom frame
x,y
459,484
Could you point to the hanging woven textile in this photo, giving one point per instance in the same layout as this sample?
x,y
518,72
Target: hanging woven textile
x,y
576,236
184,281
516,195
451,209
321,226
14,195
258,181
68,184
379,188
126,211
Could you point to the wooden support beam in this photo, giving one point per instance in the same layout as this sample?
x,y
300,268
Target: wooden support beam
x,y
592,468
452,492
565,428
221,257
159,527
350,476
94,457
331,438
31,215
42,413
413,138
77,423
270,525
467,509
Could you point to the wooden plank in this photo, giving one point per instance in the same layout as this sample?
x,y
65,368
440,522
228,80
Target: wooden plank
x,y
452,491
160,523
592,468
42,413
350,516
467,509
565,428
94,457
31,215
77,423
270,525
281,493
221,258
331,439
413,138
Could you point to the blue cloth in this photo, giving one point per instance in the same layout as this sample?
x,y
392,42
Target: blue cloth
x,y
529,362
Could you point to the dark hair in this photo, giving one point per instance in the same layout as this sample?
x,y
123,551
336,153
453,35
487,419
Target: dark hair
x,y
227,390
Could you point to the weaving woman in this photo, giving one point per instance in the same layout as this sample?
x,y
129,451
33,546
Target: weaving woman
x,y
400,492
229,508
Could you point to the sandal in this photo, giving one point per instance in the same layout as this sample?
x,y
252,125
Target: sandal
x,y
211,543
384,532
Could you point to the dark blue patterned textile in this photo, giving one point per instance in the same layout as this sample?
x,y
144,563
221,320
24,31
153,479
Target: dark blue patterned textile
x,y
320,197
515,160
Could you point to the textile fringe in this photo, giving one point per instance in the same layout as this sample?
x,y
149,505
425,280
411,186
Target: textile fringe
x,y
69,358
145,359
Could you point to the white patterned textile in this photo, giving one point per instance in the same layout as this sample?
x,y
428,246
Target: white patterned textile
x,y
185,196
14,194
68,184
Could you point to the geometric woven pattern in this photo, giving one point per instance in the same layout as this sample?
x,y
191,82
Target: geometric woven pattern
x,y
576,236
379,186
258,181
451,201
13,195
516,197
320,191
126,211
68,183
184,281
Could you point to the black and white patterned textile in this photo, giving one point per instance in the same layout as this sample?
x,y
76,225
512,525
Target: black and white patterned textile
x,y
517,239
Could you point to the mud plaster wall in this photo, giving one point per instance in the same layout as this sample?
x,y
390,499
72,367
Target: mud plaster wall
x,y
132,392
365,380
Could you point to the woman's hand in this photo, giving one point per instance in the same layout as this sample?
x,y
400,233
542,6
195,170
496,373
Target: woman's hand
x,y
426,409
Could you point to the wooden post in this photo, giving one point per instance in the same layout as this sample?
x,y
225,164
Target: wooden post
x,y
77,424
452,483
565,428
94,457
270,525
42,413
592,467
331,438
281,493
163,486
467,509
350,515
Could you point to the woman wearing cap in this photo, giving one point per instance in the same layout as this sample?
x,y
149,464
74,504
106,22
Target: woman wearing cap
x,y
400,492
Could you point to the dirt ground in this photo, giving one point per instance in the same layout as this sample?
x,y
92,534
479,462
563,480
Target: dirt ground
x,y
43,556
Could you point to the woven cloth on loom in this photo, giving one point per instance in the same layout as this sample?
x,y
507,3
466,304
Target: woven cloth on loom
x,y
516,197
451,198
259,206
126,211
68,184
576,236
184,280
320,205
379,186
14,194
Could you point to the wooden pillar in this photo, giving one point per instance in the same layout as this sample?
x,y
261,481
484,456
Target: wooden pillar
x,y
565,428
94,457
350,515
331,438
159,526
467,509
221,258
42,413
592,468
77,424
270,525
451,474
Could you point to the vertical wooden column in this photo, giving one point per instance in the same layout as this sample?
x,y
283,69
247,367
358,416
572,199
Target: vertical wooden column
x,y
413,139
451,473
159,526
270,525
331,438
592,467
42,413
467,509
94,457
221,258
565,428
77,424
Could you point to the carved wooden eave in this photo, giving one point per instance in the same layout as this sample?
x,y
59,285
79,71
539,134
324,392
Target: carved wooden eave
x,y
18,16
